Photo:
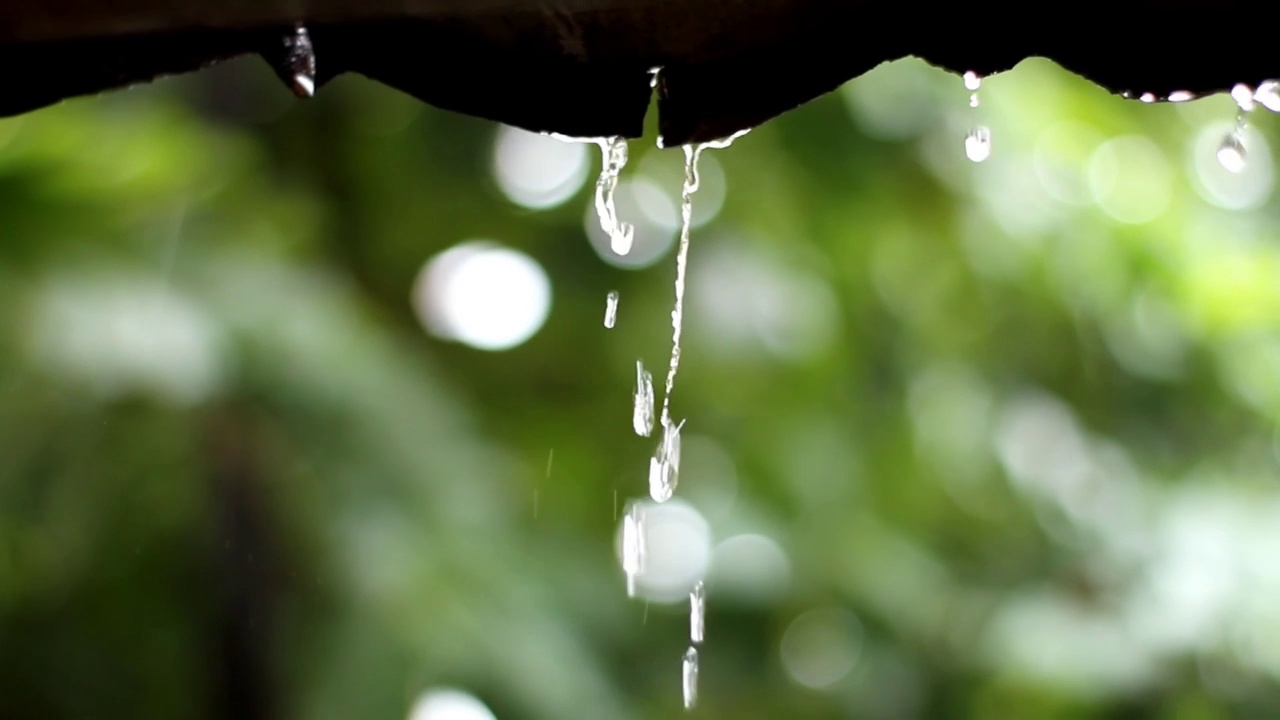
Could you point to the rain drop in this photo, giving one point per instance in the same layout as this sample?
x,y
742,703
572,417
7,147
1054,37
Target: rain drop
x,y
977,144
611,309
689,676
698,613
1178,96
642,410
1147,97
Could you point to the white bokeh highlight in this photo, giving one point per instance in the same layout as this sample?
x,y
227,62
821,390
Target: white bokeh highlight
x,y
538,171
449,704
483,295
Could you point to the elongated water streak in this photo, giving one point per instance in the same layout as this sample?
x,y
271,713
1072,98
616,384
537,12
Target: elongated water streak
x,y
642,408
698,613
689,677
632,547
691,155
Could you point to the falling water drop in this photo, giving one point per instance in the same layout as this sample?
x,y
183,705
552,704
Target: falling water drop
x,y
632,547
698,613
642,410
977,144
689,675
611,309
1268,95
1231,153
664,466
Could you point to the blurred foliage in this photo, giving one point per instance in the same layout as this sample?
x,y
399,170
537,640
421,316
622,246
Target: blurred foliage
x,y
1012,421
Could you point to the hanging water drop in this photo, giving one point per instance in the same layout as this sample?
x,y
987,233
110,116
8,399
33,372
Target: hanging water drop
x,y
1268,95
689,677
632,547
977,144
1231,153
972,83
698,613
1243,95
611,308
613,158
642,410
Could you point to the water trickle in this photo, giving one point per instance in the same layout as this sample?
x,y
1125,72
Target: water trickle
x,y
690,186
977,144
698,613
689,676
632,547
1268,95
642,410
972,83
611,309
1231,153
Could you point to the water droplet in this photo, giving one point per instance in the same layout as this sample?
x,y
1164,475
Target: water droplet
x,y
1178,96
977,144
689,677
653,78
611,309
1243,95
698,613
632,547
1268,95
1231,153
642,411
1147,97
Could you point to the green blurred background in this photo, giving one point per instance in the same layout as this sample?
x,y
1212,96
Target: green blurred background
x,y
966,440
